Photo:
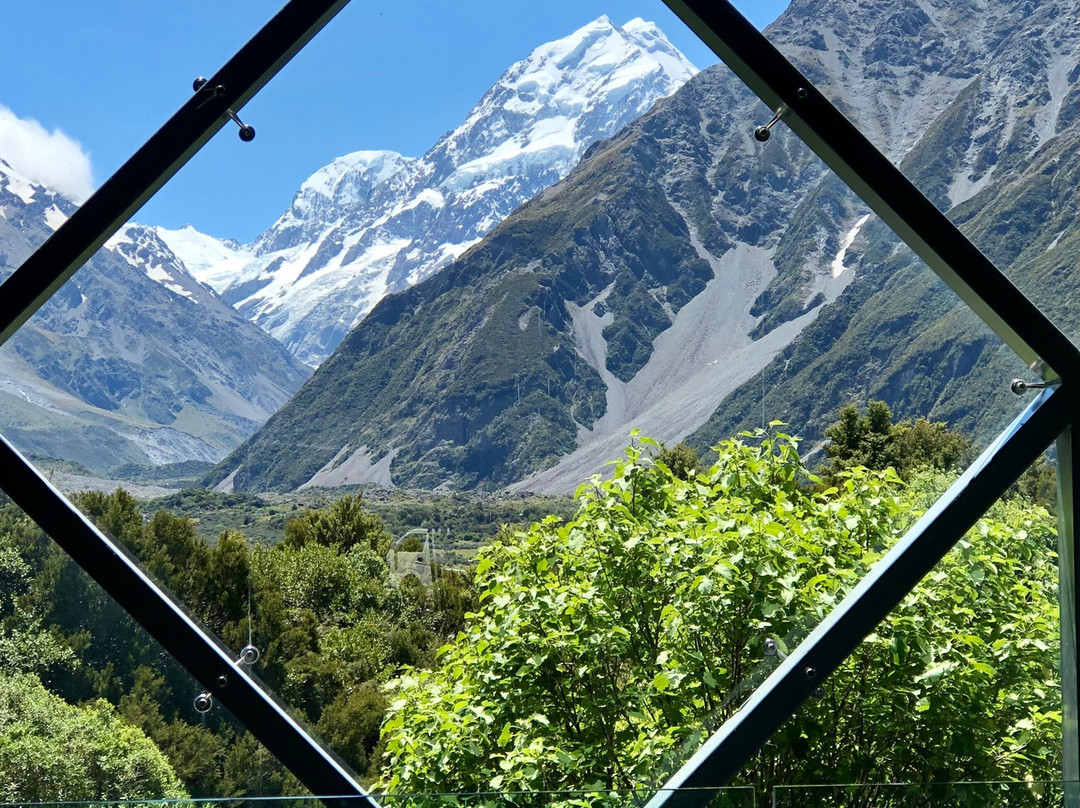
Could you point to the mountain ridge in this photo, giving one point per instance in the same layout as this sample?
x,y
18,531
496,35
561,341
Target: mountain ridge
x,y
371,223
132,360
572,295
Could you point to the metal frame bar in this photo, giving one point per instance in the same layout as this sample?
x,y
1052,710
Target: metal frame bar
x,y
27,289
166,620
1068,461
882,186
1014,318
891,579
844,149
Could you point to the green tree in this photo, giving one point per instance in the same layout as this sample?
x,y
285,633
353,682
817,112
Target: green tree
x,y
25,645
327,618
350,725
52,751
1038,484
682,460
874,441
602,650
117,514
345,524
172,552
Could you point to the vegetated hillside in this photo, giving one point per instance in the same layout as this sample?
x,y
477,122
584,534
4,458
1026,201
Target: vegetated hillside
x,y
899,334
376,222
480,360
458,521
680,257
132,361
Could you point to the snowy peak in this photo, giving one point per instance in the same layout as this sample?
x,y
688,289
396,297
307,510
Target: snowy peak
x,y
551,105
14,183
145,250
375,222
329,195
213,261
353,174
31,200
652,40
346,182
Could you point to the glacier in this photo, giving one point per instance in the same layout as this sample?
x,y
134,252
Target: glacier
x,y
372,223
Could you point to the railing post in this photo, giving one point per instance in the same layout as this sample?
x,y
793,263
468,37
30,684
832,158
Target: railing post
x,y
1068,480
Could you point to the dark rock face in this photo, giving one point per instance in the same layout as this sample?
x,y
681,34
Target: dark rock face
x,y
1000,158
680,260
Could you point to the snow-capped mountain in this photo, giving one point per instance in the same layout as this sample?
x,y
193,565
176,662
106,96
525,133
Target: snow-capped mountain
x,y
375,222
213,261
691,282
133,360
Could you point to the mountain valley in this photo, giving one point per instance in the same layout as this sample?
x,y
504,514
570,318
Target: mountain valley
x,y
138,361
133,361
526,309
376,222
689,282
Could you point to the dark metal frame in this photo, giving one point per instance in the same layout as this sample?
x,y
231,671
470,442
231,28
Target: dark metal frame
x,y
1013,317
844,149
158,159
166,620
27,289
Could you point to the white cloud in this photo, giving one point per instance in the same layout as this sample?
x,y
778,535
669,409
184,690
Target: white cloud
x,y
50,158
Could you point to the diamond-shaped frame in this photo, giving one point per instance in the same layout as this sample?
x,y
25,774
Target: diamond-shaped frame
x,y
1014,318
846,151
27,289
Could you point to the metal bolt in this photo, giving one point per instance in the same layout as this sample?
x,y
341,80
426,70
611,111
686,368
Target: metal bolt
x,y
762,133
810,673
247,133
1019,386
203,702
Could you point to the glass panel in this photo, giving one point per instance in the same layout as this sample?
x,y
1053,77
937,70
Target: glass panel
x,y
686,280
961,677
895,333
91,707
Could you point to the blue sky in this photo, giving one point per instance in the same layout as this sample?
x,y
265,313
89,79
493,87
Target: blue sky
x,y
383,75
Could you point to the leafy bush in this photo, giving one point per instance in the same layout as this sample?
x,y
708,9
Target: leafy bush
x,y
874,441
52,751
603,651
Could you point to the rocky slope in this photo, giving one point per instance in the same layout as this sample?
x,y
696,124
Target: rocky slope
x,y
680,259
133,360
1002,160
375,222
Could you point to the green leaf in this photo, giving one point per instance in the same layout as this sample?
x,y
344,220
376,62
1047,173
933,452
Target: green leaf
x,y
504,736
